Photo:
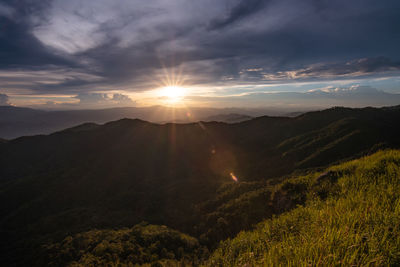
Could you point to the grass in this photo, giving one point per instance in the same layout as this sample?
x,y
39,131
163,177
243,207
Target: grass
x,y
355,224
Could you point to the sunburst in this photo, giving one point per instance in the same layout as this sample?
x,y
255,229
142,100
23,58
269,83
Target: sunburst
x,y
173,94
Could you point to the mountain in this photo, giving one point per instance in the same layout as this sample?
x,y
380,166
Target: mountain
x,y
311,231
16,121
228,118
124,172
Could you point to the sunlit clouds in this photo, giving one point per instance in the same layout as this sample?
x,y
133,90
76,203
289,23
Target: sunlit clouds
x,y
230,53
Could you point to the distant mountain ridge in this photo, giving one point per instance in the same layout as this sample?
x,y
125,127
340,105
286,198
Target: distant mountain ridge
x,y
283,136
17,121
229,118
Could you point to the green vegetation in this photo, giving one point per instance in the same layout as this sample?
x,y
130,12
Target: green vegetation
x,y
355,222
56,189
142,244
238,206
350,217
347,214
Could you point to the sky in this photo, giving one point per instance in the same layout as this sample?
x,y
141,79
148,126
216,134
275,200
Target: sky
x,y
69,54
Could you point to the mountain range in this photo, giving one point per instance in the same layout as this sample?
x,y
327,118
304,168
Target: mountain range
x,y
18,121
197,178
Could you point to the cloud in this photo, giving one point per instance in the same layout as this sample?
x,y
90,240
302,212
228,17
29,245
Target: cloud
x,y
18,46
132,45
104,100
120,98
55,80
4,100
355,68
243,9
6,10
352,68
352,96
351,90
84,101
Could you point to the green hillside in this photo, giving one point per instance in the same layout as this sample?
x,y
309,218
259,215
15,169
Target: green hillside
x,y
346,214
114,176
351,218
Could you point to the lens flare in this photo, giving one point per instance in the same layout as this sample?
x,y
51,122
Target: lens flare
x,y
234,178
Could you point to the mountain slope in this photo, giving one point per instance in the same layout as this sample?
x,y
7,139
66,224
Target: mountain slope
x,y
351,218
124,172
348,215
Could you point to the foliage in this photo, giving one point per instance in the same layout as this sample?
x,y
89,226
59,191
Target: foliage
x,y
141,244
239,206
357,224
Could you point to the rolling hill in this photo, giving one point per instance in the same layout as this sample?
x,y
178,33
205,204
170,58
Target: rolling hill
x,y
124,172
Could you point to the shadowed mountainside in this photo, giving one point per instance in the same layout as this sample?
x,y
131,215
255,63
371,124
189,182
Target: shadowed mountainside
x,y
123,172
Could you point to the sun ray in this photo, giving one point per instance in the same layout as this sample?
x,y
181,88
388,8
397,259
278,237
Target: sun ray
x,y
173,94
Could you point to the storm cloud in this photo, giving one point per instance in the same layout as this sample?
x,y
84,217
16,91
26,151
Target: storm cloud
x,y
132,45
243,9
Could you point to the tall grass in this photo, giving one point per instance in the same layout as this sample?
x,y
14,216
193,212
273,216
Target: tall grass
x,y
358,224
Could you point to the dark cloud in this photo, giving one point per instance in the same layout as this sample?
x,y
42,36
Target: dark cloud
x,y
243,9
351,69
18,46
131,45
4,100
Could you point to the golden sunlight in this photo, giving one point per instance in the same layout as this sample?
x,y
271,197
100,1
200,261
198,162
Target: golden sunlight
x,y
173,93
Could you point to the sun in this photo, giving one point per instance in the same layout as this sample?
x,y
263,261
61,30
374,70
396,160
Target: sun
x,y
173,93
